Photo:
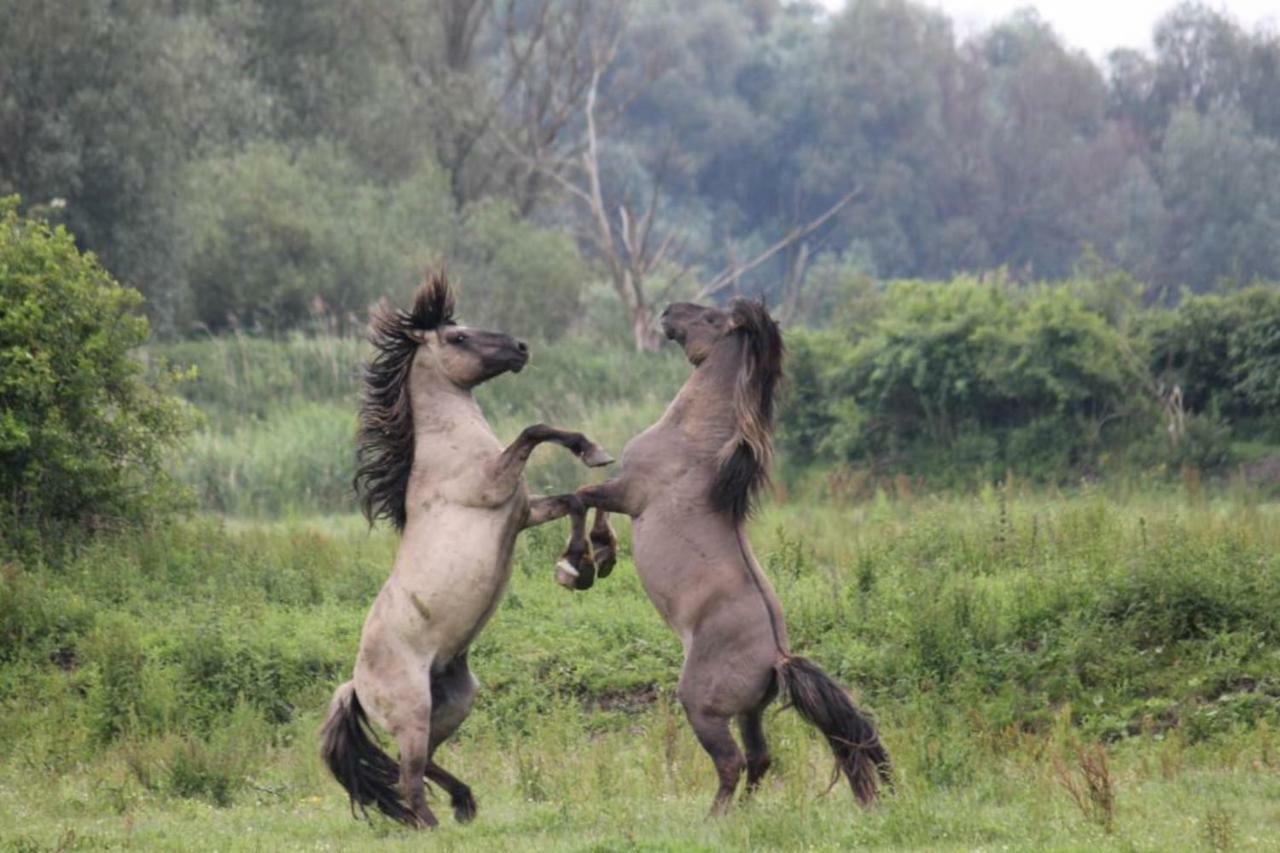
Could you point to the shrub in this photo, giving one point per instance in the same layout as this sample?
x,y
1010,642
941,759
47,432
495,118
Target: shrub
x,y
969,377
1223,351
82,432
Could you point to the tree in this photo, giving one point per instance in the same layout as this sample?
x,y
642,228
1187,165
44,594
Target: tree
x,y
1220,182
83,433
284,233
100,111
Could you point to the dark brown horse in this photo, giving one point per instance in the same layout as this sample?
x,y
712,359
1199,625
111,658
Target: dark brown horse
x,y
688,482
430,464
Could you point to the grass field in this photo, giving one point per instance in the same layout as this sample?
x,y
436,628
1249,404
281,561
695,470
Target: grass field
x,y
162,689
1094,668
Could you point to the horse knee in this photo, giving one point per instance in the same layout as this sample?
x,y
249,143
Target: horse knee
x,y
713,733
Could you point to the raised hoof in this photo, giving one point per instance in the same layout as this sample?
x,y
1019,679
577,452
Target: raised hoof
x,y
566,574
596,457
581,576
464,807
605,557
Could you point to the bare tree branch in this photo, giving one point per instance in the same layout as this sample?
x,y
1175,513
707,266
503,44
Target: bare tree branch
x,y
735,271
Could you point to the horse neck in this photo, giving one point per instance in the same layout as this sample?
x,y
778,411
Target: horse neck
x,y
704,405
441,408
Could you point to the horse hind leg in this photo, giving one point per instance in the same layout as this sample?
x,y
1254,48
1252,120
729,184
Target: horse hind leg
x,y
414,747
712,731
751,725
403,697
460,796
453,691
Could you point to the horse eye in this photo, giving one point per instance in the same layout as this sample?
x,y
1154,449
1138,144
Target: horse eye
x,y
459,338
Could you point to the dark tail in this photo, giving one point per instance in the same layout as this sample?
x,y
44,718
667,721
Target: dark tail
x,y
824,704
353,756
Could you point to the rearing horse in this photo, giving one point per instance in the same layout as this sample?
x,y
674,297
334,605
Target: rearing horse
x,y
688,482
430,464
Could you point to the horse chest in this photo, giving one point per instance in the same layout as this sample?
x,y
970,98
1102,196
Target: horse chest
x,y
452,569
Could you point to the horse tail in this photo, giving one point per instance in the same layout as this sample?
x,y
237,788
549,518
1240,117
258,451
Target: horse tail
x,y
348,748
824,704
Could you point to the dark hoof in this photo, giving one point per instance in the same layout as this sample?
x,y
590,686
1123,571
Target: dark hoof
x,y
596,457
579,577
464,806
605,557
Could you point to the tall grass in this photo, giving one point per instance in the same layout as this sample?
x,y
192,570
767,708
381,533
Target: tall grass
x,y
999,638
984,616
280,415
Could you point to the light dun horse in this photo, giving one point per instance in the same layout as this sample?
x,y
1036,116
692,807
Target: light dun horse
x,y
429,463
688,483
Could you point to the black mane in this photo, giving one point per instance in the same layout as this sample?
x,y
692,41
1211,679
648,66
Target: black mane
x,y
384,455
744,463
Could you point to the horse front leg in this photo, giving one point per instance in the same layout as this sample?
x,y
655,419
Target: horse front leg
x,y
610,496
575,569
604,544
591,454
502,475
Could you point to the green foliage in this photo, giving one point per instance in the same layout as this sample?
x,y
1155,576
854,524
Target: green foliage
x,y
514,275
282,236
82,433
286,238
989,634
968,377
249,159
1222,351
103,107
1219,179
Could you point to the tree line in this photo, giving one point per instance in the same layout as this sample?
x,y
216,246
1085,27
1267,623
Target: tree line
x,y
258,164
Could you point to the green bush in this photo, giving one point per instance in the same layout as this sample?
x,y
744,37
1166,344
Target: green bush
x,y
1222,351
968,377
82,432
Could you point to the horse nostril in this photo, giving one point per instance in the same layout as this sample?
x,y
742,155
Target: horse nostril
x,y
522,347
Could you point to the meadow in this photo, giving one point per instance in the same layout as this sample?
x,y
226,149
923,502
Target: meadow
x,y
1095,667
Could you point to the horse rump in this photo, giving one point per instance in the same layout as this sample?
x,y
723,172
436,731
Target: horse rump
x,y
824,704
351,753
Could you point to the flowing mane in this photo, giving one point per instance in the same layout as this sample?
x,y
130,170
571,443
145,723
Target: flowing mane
x,y
384,455
745,458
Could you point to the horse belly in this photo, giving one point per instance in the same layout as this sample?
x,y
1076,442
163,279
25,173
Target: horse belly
x,y
667,561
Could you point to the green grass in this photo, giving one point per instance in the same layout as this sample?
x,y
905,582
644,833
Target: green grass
x,y
163,689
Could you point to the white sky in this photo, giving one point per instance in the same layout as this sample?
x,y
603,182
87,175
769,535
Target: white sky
x,y
1095,26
